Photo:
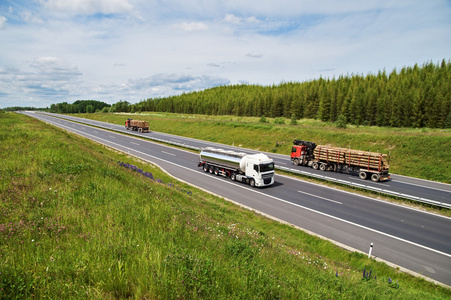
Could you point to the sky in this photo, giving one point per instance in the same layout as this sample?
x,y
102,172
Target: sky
x,y
54,51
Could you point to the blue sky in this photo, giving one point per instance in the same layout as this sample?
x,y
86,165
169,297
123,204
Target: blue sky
x,y
109,50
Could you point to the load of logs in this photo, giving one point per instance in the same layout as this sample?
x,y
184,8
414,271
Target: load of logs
x,y
139,124
356,158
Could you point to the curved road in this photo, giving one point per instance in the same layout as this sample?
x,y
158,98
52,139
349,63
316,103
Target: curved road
x,y
413,239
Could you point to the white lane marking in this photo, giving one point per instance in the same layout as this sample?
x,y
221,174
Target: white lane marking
x,y
278,199
367,197
168,153
423,186
320,197
420,179
135,143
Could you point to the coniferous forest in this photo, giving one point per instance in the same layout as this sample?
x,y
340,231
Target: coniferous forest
x,y
418,96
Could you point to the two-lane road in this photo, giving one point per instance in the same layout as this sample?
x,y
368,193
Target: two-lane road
x,y
415,240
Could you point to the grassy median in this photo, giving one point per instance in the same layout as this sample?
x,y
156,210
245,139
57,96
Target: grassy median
x,y
78,220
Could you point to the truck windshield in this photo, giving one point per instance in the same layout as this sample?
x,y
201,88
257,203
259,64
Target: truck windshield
x,y
267,167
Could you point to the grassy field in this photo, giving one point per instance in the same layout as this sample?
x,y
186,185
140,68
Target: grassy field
x,y
421,153
78,220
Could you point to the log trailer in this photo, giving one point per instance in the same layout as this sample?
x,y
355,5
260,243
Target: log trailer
x,y
327,158
136,125
253,169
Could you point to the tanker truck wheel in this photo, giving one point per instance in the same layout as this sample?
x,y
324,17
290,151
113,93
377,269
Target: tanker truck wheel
x,y
362,175
233,176
205,168
252,182
211,170
216,171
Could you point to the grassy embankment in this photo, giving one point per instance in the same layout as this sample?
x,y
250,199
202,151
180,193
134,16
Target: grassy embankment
x,y
422,153
74,223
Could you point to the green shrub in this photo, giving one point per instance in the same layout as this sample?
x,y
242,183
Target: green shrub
x,y
294,120
280,120
341,122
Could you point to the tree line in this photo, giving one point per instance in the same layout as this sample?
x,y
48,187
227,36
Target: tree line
x,y
418,96
20,108
80,106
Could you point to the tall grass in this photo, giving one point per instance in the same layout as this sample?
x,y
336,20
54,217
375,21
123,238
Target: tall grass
x,y
80,221
422,153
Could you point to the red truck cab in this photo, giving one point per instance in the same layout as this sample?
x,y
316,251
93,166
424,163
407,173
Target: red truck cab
x,y
298,155
302,152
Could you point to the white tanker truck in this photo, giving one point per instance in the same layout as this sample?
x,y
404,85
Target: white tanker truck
x,y
253,169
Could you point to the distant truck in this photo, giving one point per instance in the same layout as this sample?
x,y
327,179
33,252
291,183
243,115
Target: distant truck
x,y
253,169
366,164
136,125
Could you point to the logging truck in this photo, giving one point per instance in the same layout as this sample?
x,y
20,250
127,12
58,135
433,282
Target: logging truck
x,y
253,169
372,165
136,125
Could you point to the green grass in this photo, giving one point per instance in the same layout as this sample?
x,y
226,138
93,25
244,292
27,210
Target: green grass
x,y
74,223
422,153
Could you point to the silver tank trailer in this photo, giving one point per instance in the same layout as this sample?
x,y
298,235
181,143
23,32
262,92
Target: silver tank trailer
x,y
226,158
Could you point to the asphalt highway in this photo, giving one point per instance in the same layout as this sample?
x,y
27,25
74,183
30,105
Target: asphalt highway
x,y
414,240
406,187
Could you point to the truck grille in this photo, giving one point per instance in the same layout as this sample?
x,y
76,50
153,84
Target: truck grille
x,y
267,178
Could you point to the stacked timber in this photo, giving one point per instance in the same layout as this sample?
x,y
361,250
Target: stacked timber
x,y
350,157
139,124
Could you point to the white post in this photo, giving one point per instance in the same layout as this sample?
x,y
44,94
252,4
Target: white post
x,y
371,249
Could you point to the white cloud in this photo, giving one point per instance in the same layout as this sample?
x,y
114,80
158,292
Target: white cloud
x,y
231,18
55,69
252,20
181,82
254,54
88,6
195,26
2,22
28,17
50,77
213,65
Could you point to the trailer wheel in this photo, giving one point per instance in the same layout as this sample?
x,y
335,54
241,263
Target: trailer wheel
x,y
216,171
211,170
296,161
233,176
362,175
252,182
205,168
322,167
315,166
375,177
